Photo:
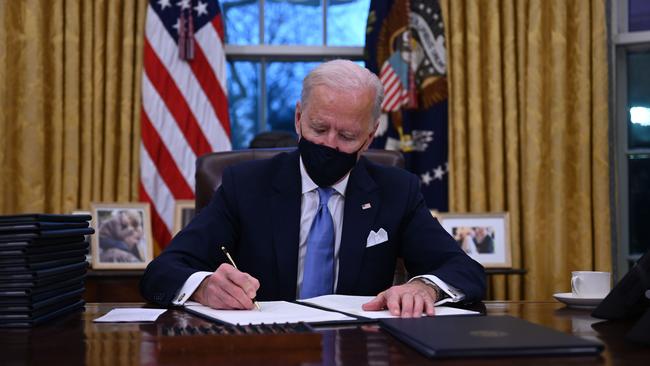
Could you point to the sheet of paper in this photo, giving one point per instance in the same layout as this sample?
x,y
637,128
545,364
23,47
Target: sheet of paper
x,y
130,315
352,305
271,312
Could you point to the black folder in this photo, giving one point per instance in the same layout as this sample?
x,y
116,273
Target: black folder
x,y
42,316
485,336
39,242
40,292
8,268
43,250
36,217
40,258
9,227
39,297
40,273
54,233
29,308
39,282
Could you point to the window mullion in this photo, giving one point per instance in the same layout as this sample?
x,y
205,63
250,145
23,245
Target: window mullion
x,y
325,22
261,21
261,124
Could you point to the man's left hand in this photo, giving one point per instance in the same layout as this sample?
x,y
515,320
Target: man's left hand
x,y
408,301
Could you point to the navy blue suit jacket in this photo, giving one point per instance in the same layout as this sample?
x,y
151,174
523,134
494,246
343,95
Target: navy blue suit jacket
x,y
255,213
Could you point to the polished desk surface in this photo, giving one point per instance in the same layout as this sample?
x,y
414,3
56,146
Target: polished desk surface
x,y
75,340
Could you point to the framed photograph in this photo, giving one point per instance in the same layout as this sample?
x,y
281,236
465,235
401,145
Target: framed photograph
x,y
484,237
122,237
183,214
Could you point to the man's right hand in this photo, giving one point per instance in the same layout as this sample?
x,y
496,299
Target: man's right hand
x,y
227,288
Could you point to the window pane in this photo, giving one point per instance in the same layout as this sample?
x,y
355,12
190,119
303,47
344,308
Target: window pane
x,y
293,22
638,91
346,22
243,101
638,15
639,170
242,21
284,84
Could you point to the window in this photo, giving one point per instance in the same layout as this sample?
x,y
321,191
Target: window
x,y
272,44
631,126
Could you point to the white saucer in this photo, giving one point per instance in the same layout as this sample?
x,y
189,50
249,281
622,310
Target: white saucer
x,y
577,302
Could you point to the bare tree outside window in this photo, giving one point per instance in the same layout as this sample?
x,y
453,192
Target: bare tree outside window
x,y
263,88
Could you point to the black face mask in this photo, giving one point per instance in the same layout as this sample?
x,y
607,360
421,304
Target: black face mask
x,y
324,164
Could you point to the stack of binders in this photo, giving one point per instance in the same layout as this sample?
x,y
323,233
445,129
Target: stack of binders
x,y
42,267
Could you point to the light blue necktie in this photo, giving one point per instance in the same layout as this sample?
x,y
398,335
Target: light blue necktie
x,y
318,275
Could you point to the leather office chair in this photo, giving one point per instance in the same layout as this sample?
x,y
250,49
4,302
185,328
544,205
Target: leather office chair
x,y
210,167
269,139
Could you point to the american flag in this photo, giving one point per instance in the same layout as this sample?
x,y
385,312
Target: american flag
x,y
394,76
184,104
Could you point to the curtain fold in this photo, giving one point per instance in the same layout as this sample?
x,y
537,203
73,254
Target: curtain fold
x,y
529,133
528,120
70,92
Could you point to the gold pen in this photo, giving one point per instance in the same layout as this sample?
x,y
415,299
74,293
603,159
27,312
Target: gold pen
x,y
234,265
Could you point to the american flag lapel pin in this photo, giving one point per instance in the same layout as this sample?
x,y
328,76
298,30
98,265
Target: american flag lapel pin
x,y
365,206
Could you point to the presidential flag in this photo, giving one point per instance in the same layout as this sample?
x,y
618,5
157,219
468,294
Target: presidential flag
x,y
184,105
405,47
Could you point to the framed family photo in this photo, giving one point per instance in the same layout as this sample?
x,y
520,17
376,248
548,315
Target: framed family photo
x,y
122,237
183,214
484,237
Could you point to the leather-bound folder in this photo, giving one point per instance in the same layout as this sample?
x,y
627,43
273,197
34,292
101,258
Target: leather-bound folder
x,y
12,310
39,217
43,257
41,316
8,227
40,282
36,234
59,282
39,242
26,295
41,250
40,273
22,267
485,336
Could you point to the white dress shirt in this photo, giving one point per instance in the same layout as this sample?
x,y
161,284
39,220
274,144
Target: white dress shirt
x,y
308,207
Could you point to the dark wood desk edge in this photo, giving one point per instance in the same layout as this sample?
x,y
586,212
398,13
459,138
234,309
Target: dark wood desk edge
x,y
114,273
505,271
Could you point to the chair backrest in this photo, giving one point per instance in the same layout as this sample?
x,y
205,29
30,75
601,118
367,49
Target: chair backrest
x,y
210,167
269,139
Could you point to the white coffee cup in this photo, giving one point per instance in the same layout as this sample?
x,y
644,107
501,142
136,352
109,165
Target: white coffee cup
x,y
590,284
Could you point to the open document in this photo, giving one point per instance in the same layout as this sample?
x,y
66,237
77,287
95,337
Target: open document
x,y
271,312
342,308
352,305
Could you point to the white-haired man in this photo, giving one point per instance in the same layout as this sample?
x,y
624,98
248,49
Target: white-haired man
x,y
318,220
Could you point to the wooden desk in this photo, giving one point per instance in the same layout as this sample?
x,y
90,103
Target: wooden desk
x,y
75,340
113,286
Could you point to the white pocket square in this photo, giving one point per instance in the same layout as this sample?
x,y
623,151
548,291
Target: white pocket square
x,y
375,238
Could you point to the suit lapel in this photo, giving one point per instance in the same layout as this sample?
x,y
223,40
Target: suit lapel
x,y
285,214
361,206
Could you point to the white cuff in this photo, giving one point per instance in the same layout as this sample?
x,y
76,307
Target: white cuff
x,y
189,287
455,295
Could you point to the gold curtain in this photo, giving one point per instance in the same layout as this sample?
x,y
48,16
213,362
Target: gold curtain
x,y
529,132
70,97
